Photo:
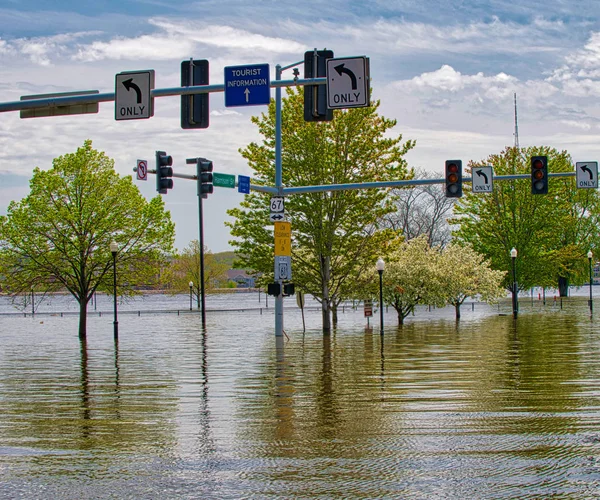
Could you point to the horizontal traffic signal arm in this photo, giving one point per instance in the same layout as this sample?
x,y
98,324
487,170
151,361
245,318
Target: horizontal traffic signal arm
x,y
166,92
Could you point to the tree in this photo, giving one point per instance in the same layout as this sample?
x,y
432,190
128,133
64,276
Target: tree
x,y
186,269
552,233
423,209
465,273
58,237
337,235
412,277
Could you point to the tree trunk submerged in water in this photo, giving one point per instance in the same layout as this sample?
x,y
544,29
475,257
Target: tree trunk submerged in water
x,y
563,286
325,272
82,319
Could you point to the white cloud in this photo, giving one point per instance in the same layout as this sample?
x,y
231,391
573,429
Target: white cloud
x,y
177,39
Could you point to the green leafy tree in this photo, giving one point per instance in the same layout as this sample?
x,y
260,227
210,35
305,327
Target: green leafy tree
x,y
552,233
412,277
464,273
186,269
337,235
58,237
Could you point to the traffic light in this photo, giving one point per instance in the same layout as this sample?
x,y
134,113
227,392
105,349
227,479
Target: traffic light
x,y
453,178
274,289
163,172
315,96
205,177
195,107
539,175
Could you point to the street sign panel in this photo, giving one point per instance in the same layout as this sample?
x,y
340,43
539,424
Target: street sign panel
x,y
283,268
277,209
283,238
348,82
58,110
223,180
132,95
483,179
142,170
587,174
247,85
243,184
368,307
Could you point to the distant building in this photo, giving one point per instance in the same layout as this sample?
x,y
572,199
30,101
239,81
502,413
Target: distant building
x,y
241,278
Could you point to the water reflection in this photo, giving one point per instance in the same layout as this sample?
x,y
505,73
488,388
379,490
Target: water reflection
x,y
489,408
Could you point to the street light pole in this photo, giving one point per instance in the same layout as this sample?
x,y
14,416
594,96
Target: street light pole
x,y
191,285
589,256
515,304
114,248
380,265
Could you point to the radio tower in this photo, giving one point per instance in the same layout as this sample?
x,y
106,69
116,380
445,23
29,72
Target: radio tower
x,y
516,125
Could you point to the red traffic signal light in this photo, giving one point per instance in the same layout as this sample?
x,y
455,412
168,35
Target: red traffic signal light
x,y
453,176
539,175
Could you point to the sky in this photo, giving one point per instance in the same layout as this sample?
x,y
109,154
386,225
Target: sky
x,y
447,71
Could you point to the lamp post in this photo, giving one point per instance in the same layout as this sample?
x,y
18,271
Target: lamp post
x,y
191,286
380,265
114,248
589,256
513,254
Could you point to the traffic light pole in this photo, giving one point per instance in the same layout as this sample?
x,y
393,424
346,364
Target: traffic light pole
x,y
201,249
279,186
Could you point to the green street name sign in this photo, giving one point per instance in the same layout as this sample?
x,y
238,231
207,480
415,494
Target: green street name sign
x,y
223,180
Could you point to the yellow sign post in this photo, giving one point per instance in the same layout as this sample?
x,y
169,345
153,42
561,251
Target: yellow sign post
x,y
283,239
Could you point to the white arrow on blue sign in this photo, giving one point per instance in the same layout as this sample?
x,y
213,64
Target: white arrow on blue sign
x,y
243,184
247,85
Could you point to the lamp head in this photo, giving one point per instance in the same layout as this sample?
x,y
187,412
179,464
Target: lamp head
x,y
513,253
380,265
590,254
114,247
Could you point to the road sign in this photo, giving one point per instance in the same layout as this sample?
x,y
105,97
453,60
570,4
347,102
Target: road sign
x,y
247,85
243,184
132,95
223,180
368,307
587,174
277,204
283,268
69,109
348,82
283,238
142,170
483,179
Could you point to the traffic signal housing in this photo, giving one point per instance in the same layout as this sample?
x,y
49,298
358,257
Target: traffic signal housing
x,y
539,175
205,177
194,107
164,172
315,96
453,175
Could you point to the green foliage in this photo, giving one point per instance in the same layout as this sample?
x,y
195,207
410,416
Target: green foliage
x,y
552,233
337,235
186,269
58,237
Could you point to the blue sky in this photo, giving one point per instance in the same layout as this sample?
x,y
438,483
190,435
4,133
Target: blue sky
x,y
446,71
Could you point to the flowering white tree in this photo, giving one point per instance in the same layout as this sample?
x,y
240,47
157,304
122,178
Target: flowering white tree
x,y
465,273
412,277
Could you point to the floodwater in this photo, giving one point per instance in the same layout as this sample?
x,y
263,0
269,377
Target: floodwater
x,y
488,407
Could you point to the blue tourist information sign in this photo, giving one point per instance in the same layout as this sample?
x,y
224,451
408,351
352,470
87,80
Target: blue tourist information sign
x,y
247,85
